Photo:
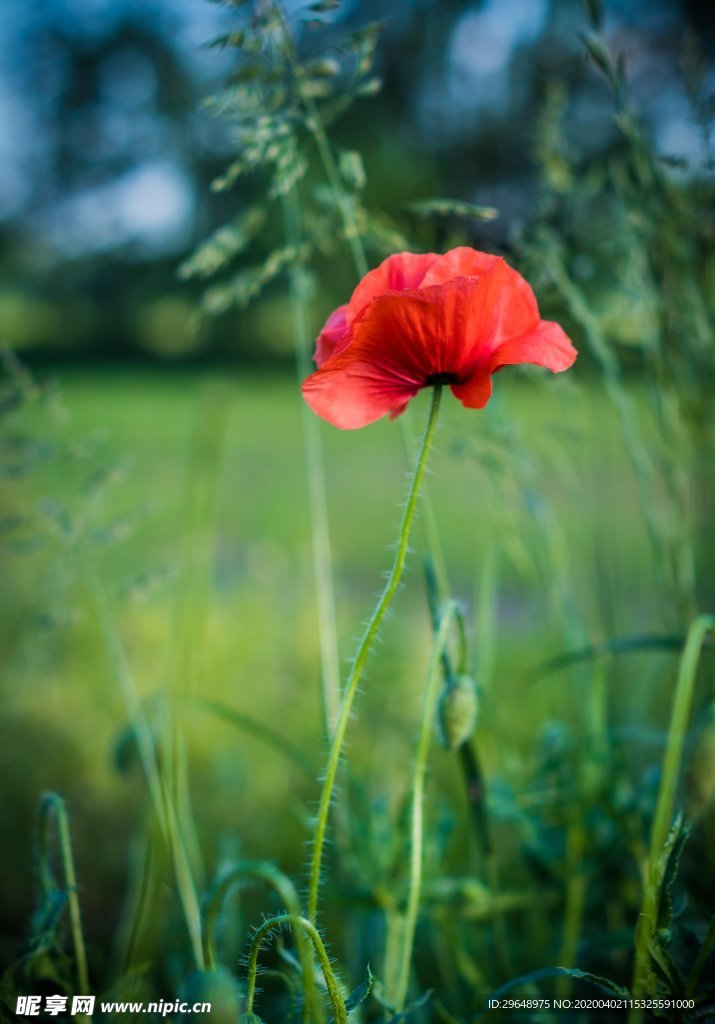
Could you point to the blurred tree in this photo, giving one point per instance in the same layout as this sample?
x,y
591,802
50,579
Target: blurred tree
x,y
106,155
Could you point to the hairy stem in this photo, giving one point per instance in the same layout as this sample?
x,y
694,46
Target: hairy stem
x,y
340,1014
285,889
362,652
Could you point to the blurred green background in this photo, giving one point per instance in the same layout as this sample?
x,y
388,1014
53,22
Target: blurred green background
x,y
173,443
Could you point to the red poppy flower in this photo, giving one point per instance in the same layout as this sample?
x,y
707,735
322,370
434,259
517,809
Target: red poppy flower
x,y
420,320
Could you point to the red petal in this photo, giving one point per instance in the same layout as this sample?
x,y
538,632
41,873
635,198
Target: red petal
x,y
508,301
396,273
476,392
546,345
350,393
334,336
400,340
459,262
419,333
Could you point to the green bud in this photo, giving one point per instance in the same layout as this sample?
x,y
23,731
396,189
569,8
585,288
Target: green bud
x,y
457,711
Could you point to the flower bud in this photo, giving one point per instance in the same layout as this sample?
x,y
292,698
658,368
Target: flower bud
x,y
457,711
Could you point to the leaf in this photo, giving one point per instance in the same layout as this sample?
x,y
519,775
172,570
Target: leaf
x,y
666,968
259,731
412,1008
451,208
594,12
360,994
402,1015
670,860
618,645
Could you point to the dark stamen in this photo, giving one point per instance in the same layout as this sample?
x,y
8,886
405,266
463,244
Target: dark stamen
x,y
441,378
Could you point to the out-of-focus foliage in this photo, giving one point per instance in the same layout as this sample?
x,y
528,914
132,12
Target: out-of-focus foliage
x,y
109,154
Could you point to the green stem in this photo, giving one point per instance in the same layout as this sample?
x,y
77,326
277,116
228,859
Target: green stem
x,y
705,950
233,875
285,889
468,759
314,125
665,529
575,896
362,652
682,700
340,1014
429,705
317,494
163,807
53,805
197,532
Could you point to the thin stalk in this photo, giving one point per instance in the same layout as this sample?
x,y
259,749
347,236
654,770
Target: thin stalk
x,y
140,903
467,756
705,951
317,494
340,1014
363,650
429,707
671,550
499,923
314,125
197,529
476,795
162,807
682,700
575,896
51,806
486,615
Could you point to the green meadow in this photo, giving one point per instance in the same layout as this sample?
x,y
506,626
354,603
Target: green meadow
x,y
196,521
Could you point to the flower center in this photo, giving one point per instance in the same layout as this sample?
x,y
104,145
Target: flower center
x,y
441,378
